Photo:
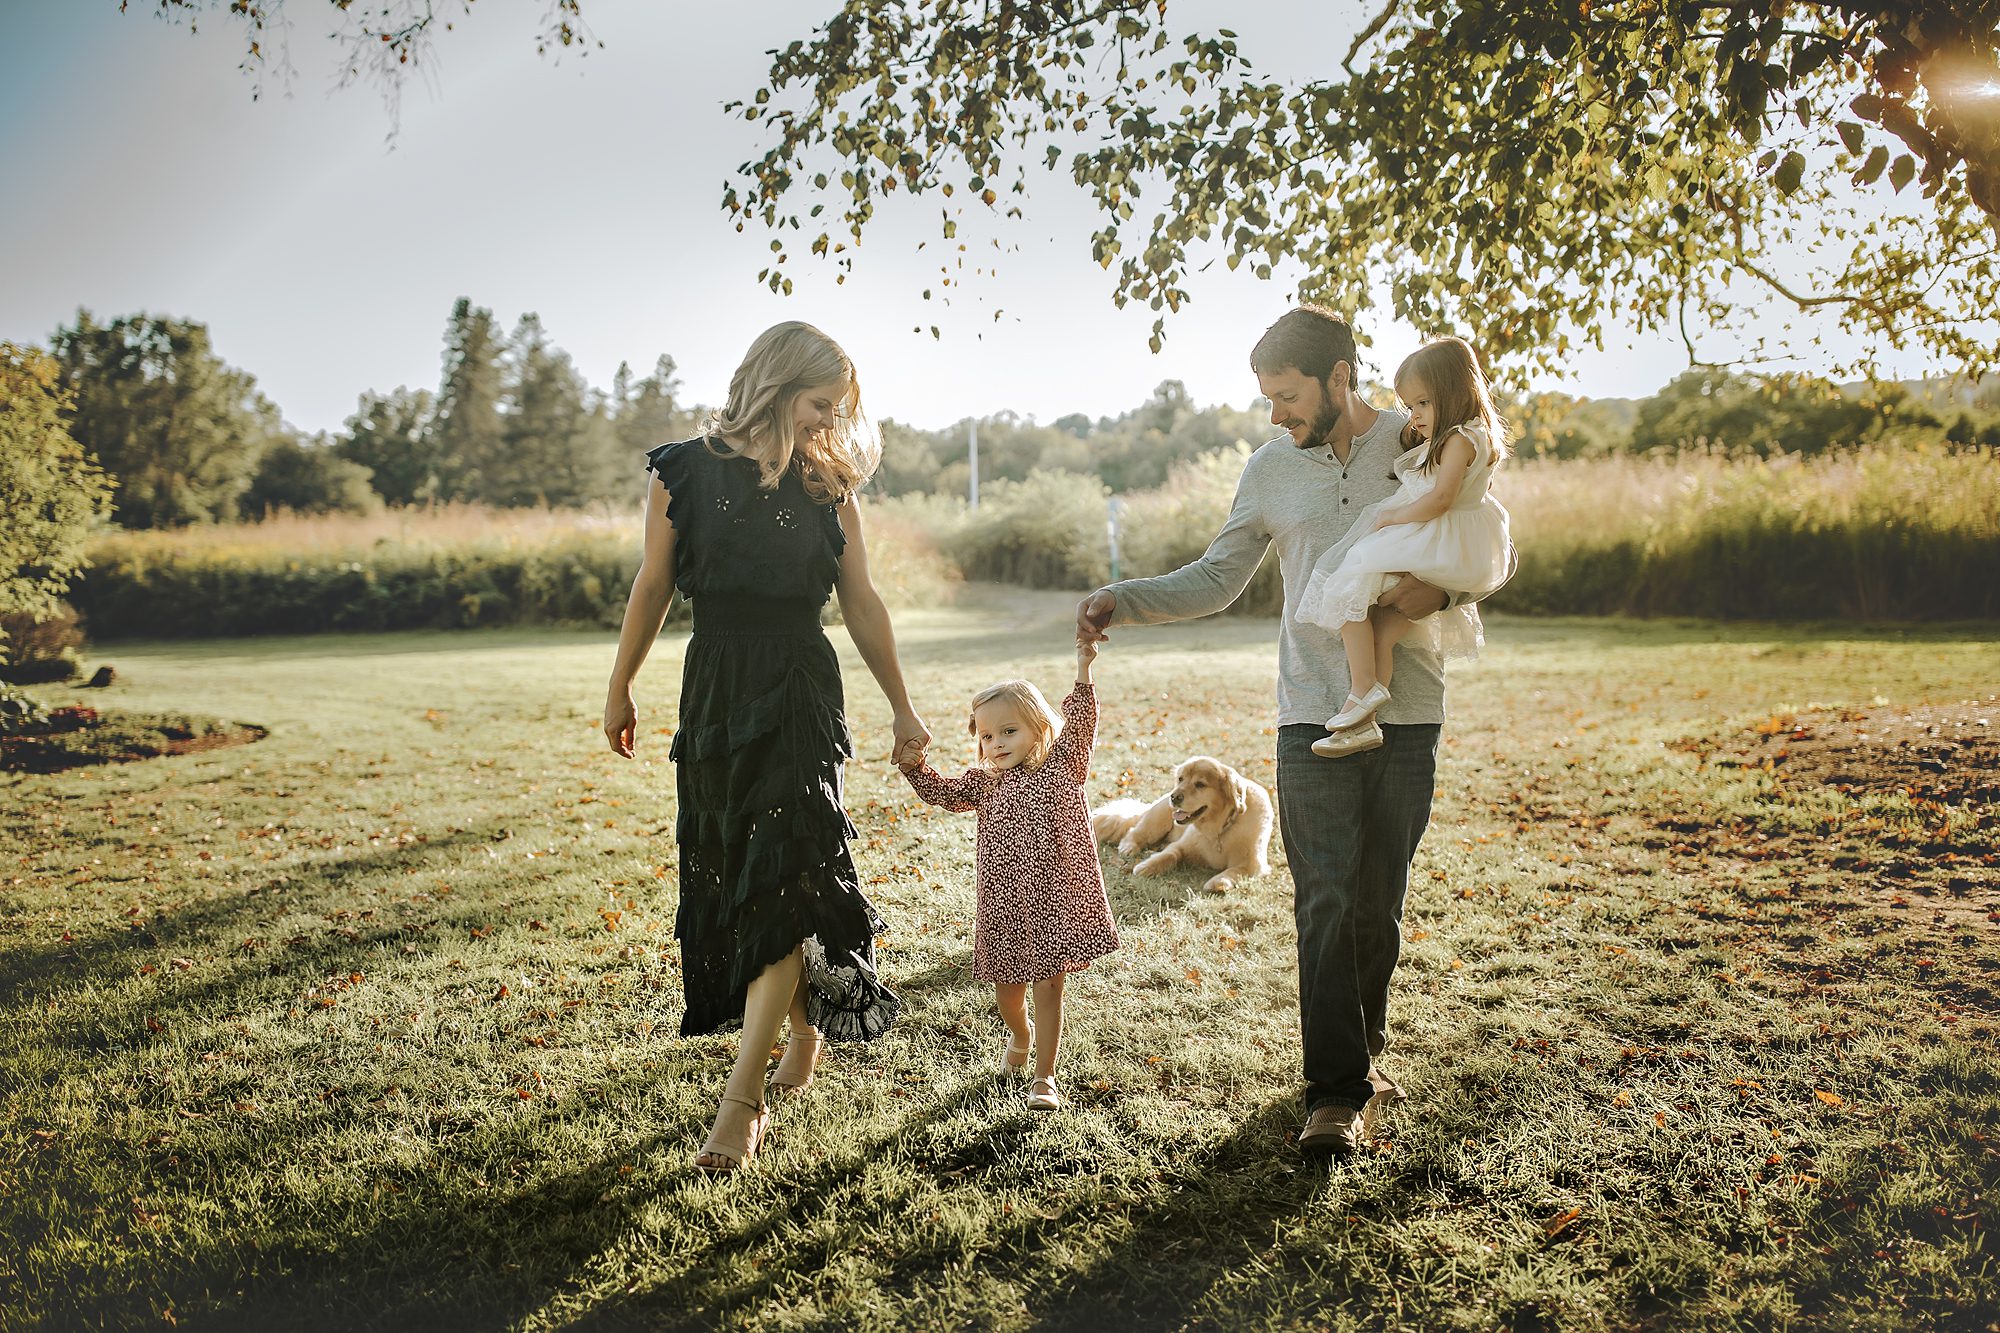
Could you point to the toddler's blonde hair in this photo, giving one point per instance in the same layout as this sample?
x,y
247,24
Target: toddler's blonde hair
x,y
1034,709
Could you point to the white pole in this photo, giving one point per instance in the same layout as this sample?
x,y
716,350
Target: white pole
x,y
1113,507
975,462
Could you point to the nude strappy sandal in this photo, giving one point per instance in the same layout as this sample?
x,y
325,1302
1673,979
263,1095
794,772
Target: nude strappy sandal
x,y
735,1156
787,1078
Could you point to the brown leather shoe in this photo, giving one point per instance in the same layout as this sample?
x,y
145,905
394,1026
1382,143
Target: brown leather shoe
x,y
1333,1131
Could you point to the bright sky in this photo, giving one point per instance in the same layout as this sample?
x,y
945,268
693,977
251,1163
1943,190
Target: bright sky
x,y
140,175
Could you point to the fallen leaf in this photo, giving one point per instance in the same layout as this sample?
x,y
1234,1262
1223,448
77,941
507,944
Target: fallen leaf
x,y
1830,1098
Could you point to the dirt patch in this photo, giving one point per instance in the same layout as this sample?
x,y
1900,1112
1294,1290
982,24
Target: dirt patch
x,y
119,741
1948,753
1936,836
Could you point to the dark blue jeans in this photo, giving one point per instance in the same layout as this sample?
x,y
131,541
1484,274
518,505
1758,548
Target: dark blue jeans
x,y
1351,826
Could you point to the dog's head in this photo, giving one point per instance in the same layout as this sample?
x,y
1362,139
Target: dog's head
x,y
1206,791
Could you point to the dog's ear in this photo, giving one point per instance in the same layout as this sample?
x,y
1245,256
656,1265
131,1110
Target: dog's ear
x,y
1239,791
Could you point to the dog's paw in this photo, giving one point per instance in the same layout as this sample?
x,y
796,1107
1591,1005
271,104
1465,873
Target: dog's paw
x,y
1154,865
1128,846
1220,884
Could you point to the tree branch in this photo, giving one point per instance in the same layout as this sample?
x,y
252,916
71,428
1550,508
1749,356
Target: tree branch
x,y
1361,38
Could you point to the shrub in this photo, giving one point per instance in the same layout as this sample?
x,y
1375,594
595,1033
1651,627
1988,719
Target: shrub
x,y
41,648
51,493
1047,531
20,714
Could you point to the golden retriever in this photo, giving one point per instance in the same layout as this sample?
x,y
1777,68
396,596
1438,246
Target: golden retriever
x,y
1223,818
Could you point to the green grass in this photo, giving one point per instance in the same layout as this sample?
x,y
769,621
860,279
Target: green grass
x,y
372,1023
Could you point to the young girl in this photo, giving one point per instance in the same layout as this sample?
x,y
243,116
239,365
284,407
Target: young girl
x,y
1443,526
1042,910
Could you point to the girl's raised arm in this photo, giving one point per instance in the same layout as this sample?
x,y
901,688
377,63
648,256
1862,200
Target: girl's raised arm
x,y
867,623
1079,709
645,611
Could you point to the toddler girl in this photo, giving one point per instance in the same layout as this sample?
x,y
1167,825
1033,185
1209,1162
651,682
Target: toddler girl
x,y
1443,526
1042,911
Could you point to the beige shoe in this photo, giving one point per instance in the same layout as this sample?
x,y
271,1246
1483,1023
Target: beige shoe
x,y
1359,708
723,1154
1008,1063
798,1064
1333,1131
1367,736
1043,1095
1388,1093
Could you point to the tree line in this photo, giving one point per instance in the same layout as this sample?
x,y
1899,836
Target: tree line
x,y
182,437
1730,411
187,438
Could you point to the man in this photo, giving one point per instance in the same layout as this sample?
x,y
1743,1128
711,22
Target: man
x,y
1352,820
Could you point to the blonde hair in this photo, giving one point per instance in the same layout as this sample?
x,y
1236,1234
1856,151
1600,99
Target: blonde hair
x,y
1449,368
1034,709
756,421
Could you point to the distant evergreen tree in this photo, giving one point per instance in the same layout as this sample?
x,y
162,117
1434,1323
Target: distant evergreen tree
x,y
558,441
469,436
394,436
180,431
649,412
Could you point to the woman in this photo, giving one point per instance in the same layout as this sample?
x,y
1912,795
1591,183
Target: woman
x,y
754,524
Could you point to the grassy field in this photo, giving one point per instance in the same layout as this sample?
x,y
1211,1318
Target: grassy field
x,y
371,1023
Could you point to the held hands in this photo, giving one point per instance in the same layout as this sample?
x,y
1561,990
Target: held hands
x,y
912,740
1093,613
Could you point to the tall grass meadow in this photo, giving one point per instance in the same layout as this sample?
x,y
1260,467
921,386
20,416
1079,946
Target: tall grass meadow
x,y
1881,532
448,567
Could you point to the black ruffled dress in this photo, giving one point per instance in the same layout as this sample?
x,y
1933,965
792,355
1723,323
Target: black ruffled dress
x,y
764,862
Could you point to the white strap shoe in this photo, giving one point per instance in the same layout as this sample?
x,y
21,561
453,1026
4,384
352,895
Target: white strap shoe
x,y
1360,709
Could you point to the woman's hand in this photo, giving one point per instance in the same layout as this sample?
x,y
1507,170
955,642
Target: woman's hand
x,y
1389,518
911,736
621,720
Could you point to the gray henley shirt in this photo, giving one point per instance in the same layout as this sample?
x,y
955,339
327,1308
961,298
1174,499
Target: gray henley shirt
x,y
1304,500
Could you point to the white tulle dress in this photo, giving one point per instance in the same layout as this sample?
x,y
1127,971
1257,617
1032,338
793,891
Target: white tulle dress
x,y
1463,550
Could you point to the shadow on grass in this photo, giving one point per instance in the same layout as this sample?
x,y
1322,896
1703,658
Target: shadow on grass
x,y
111,955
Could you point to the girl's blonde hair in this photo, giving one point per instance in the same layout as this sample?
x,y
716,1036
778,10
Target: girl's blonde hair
x,y
1449,368
757,420
1034,709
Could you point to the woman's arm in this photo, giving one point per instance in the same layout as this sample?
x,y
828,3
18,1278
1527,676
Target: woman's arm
x,y
645,612
868,624
1453,464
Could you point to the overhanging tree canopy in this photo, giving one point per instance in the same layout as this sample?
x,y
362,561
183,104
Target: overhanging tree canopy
x,y
1522,170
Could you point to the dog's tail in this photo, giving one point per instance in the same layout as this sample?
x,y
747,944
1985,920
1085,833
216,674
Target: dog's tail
x,y
1114,819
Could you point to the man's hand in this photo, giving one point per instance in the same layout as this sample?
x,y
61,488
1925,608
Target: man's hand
x,y
1093,613
1414,598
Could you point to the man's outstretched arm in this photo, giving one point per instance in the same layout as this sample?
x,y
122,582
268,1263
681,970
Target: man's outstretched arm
x,y
1199,588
